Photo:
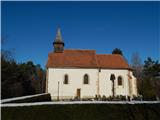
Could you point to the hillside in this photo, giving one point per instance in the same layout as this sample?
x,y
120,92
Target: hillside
x,y
82,112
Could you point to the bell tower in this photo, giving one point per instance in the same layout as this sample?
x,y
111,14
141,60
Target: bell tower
x,y
58,43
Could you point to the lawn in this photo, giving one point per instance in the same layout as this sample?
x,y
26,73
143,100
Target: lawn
x,y
83,112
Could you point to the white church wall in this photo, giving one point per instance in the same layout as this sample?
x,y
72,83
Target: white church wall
x,y
106,83
134,85
75,77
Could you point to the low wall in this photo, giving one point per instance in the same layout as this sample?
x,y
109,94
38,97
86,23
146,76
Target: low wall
x,y
28,99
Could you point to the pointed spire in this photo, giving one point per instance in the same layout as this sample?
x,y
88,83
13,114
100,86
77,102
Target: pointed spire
x,y
58,36
58,42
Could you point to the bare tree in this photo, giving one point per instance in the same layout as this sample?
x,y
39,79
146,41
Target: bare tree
x,y
136,64
6,54
137,67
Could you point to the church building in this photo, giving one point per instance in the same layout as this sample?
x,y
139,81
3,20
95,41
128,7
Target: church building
x,y
76,73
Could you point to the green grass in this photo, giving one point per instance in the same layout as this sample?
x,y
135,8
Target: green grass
x,y
83,112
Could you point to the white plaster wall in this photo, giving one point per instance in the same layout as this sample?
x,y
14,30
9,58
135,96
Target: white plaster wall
x,y
106,83
134,85
75,77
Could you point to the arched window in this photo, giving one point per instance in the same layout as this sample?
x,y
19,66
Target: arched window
x,y
86,79
65,79
119,80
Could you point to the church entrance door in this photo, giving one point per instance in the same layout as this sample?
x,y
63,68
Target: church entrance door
x,y
78,93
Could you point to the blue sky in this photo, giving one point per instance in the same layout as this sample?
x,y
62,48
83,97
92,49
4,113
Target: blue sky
x,y
29,28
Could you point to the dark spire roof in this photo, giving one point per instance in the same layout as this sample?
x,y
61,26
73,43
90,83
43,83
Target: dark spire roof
x,y
58,37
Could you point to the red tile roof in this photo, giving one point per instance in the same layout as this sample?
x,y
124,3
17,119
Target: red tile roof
x,y
112,61
85,59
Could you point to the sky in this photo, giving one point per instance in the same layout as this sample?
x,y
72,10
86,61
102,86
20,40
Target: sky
x,y
29,28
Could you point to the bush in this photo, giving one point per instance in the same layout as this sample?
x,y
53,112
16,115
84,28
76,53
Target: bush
x,y
110,98
97,97
122,97
104,98
87,99
139,97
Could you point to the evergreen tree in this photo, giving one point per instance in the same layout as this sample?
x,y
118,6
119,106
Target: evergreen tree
x,y
151,85
20,79
117,51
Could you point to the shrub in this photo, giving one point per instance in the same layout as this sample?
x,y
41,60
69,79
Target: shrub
x,y
122,97
139,97
104,98
110,98
96,97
